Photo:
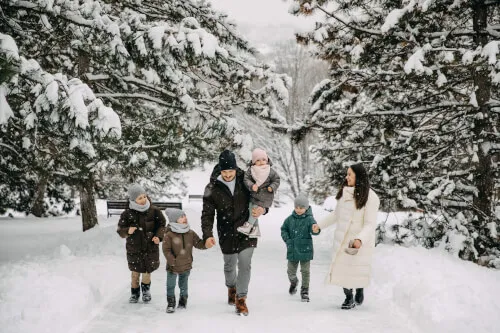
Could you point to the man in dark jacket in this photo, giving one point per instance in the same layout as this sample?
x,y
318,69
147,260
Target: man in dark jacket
x,y
227,194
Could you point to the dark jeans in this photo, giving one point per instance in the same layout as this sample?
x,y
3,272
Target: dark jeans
x,y
183,283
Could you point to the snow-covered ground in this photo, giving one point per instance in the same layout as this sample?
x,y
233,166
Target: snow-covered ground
x,y
54,278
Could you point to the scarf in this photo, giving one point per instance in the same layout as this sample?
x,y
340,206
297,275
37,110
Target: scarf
x,y
260,173
349,193
230,185
140,208
180,228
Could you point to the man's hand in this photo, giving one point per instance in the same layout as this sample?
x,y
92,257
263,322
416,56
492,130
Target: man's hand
x,y
131,230
269,189
255,187
156,240
258,211
357,244
209,242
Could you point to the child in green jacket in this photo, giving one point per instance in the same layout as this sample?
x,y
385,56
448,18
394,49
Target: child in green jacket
x,y
296,233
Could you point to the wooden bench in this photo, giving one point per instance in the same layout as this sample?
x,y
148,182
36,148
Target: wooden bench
x,y
195,196
118,206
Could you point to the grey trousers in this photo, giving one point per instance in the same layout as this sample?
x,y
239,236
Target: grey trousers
x,y
238,277
305,269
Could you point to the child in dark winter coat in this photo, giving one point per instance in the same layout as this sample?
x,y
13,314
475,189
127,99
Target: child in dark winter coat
x,y
296,233
178,246
143,225
262,181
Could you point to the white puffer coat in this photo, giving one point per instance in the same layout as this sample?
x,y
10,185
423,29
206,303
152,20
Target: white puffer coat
x,y
352,271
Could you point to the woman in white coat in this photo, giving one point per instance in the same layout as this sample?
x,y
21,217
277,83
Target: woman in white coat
x,y
354,240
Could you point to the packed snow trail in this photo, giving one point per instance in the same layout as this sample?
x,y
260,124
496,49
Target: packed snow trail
x,y
271,307
54,278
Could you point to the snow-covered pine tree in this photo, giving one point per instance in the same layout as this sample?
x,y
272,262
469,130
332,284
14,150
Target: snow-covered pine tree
x,y
172,70
414,94
52,128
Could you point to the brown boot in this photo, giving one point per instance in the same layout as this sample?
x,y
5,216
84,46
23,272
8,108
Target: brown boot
x,y
241,306
231,296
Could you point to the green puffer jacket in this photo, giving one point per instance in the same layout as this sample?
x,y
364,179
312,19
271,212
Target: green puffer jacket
x,y
296,233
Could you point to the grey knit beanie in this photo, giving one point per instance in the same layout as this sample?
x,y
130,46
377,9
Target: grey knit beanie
x,y
134,191
301,201
174,214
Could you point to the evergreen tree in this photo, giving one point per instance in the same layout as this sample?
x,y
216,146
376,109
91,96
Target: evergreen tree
x,y
414,95
171,70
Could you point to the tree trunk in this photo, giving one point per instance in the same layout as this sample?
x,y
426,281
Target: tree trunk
x,y
87,204
38,206
484,173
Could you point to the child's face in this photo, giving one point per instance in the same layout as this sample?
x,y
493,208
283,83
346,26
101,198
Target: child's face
x,y
141,200
300,210
260,162
182,220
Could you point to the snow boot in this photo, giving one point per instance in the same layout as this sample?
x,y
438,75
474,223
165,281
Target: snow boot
x,y
349,300
359,296
304,294
245,228
146,293
241,306
255,232
231,296
183,300
170,304
134,297
293,288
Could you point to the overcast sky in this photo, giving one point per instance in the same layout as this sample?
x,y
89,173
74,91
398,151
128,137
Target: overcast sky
x,y
263,22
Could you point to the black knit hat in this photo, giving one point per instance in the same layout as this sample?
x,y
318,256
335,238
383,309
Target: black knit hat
x,y
227,160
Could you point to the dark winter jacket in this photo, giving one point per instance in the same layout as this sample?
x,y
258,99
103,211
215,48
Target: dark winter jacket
x,y
263,197
178,249
143,255
296,233
232,212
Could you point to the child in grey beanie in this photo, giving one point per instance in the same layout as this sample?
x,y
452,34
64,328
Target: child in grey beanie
x,y
296,232
177,247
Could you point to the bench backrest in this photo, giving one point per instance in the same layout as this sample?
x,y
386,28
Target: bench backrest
x,y
122,205
195,196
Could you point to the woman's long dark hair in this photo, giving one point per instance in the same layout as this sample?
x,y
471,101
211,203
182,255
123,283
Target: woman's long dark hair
x,y
361,187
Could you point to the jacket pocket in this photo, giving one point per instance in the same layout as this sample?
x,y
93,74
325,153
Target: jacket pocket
x,y
304,245
133,243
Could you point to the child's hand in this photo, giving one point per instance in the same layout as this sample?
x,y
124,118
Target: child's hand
x,y
269,189
315,228
255,187
156,240
131,230
209,242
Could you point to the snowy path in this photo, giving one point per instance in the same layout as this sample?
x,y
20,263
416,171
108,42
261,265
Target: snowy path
x,y
54,278
271,308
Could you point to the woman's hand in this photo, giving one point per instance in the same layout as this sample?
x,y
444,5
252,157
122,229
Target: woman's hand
x,y
255,187
131,230
357,244
156,240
